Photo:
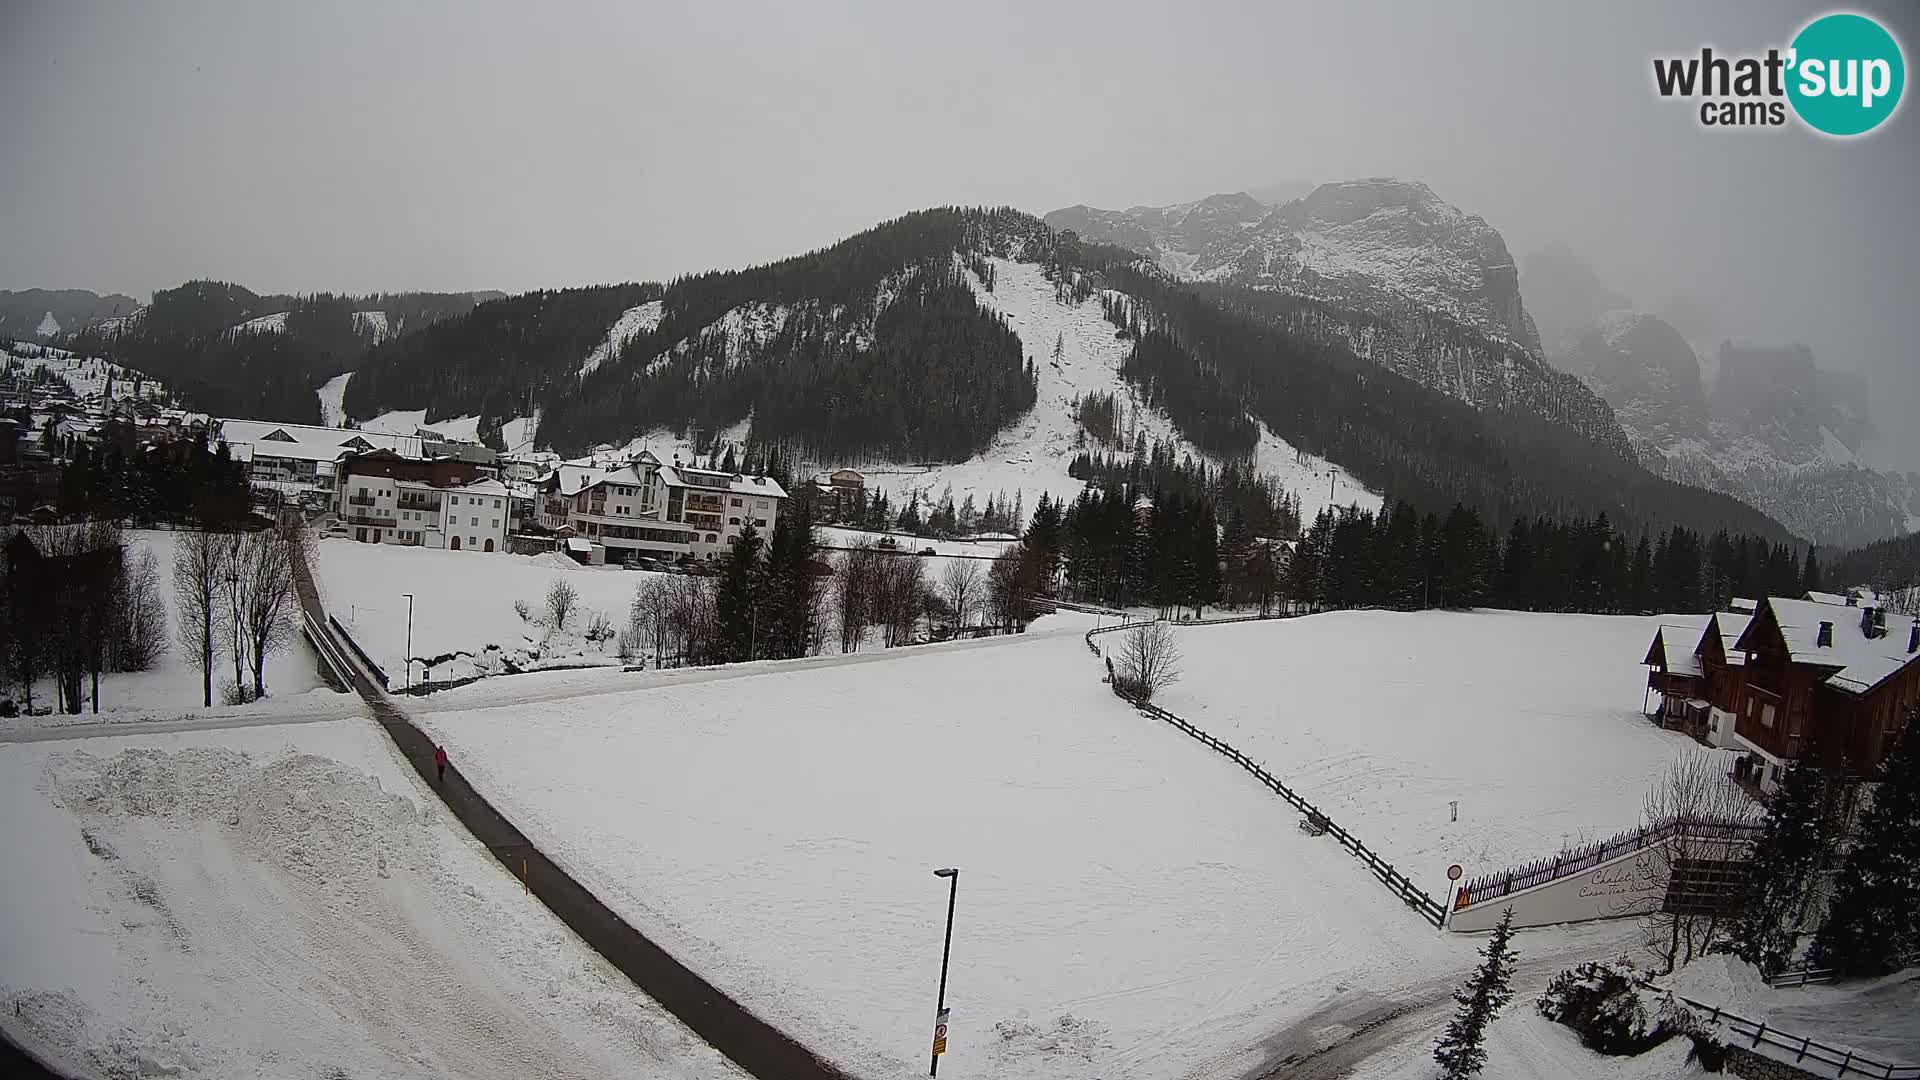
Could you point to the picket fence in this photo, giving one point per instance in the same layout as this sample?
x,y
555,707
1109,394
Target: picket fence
x,y
1575,860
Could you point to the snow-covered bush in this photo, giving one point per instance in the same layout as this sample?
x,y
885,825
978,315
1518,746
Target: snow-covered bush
x,y
1612,1012
521,609
599,628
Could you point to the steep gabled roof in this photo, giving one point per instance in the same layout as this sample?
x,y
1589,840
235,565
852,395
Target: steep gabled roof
x,y
1856,663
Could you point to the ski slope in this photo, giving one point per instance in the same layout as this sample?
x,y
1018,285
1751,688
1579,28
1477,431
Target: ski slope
x,y
1533,723
1128,906
289,902
637,320
333,396
1032,455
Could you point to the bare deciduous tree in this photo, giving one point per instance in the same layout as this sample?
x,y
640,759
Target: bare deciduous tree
x,y
900,599
140,636
1699,800
266,599
198,570
562,598
1149,660
855,584
961,584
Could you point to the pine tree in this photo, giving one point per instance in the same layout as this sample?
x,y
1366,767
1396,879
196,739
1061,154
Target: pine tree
x,y
1810,572
1874,918
1786,863
1461,1050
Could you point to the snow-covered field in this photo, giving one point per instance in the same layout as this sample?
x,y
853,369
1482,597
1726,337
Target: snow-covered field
x,y
463,615
173,688
1532,723
1032,455
289,902
1129,906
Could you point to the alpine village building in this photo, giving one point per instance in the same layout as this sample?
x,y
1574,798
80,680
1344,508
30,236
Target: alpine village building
x,y
1766,681
646,510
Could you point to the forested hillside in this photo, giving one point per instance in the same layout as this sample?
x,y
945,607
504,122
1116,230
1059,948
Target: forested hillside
x,y
228,351
875,345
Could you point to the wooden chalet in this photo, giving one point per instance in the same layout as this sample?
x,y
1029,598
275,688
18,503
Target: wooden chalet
x,y
1844,674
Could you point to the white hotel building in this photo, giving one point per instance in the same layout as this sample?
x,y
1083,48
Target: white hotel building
x,y
644,508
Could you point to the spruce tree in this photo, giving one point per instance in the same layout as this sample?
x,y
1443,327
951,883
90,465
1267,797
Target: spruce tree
x,y
1786,863
1874,918
1810,572
735,599
1461,1050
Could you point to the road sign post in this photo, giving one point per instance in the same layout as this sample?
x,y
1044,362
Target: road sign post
x,y
1453,891
940,1034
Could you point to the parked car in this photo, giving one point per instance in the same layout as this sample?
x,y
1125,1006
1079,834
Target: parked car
x,y
889,542
928,551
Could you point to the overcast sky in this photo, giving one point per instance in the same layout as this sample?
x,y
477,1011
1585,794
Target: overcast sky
x,y
382,146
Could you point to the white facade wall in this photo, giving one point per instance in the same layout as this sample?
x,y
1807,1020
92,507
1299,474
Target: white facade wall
x,y
381,510
1632,884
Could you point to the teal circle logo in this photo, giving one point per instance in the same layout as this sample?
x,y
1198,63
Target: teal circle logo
x,y
1846,74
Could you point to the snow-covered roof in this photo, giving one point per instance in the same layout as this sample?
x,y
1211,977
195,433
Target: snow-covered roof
x,y
579,543
1731,624
707,479
292,451
280,437
484,487
1859,594
1676,644
1861,662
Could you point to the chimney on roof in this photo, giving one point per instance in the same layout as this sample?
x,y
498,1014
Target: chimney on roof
x,y
1867,626
1913,637
1825,637
1853,600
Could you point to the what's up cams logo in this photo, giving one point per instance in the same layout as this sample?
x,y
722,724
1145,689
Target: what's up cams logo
x,y
1842,75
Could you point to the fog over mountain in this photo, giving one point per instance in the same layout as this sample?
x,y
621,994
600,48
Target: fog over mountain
x,y
368,148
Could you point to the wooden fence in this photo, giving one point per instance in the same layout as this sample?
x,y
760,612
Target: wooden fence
x,y
1804,1049
1587,856
1425,906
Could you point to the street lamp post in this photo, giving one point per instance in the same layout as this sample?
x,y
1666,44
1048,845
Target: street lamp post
x,y
409,597
952,874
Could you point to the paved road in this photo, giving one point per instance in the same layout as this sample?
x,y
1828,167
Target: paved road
x,y
753,1044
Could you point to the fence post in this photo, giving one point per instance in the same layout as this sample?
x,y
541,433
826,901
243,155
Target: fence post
x,y
1758,1032
1848,1060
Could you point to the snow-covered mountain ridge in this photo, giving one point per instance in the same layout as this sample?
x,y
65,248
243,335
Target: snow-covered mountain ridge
x,y
1774,430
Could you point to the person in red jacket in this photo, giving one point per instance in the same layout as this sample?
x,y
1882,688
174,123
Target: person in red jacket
x,y
440,762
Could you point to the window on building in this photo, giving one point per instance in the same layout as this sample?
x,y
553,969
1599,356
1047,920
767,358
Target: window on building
x,y
454,499
712,539
496,504
495,524
759,504
759,523
1766,716
475,522
736,502
733,521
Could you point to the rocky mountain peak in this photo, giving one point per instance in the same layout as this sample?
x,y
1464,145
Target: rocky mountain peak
x,y
1386,246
